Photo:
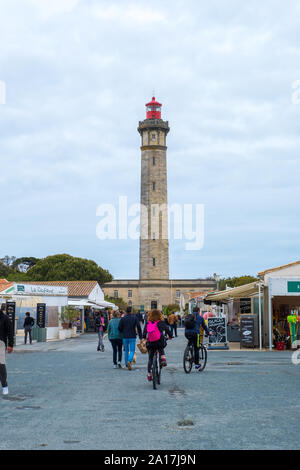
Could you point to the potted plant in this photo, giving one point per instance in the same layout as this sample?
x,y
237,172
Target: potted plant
x,y
68,316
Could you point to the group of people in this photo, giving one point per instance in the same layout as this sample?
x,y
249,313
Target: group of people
x,y
123,329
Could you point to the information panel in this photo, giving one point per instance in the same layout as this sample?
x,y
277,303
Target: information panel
x,y
11,313
248,330
218,326
41,315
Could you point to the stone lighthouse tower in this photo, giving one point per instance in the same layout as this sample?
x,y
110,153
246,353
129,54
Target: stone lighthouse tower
x,y
154,243
154,289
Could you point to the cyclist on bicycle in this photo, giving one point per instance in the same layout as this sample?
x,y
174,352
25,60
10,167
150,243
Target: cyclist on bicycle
x,y
192,332
155,330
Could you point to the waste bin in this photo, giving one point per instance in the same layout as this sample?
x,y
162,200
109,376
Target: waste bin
x,y
233,333
34,333
41,335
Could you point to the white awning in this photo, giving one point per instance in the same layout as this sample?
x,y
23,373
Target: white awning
x,y
88,303
235,293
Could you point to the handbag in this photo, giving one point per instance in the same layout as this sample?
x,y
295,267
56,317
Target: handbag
x,y
142,347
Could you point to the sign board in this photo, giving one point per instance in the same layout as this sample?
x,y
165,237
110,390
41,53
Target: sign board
x,y
245,306
41,315
284,286
32,289
293,286
11,313
218,326
249,330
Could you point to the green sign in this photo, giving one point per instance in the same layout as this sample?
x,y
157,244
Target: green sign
x,y
21,288
142,308
293,286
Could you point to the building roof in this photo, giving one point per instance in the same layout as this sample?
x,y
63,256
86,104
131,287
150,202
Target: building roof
x,y
4,284
262,273
75,288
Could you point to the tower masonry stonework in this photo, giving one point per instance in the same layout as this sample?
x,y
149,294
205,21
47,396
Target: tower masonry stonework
x,y
154,240
154,288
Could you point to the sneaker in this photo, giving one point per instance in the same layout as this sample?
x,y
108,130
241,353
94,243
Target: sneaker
x,y
102,349
198,366
119,365
163,362
5,390
149,377
115,366
129,365
98,349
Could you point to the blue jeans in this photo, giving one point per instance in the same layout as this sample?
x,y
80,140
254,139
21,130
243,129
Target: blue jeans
x,y
129,346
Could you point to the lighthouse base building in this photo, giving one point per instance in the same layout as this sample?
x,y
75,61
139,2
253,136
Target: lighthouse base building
x,y
154,288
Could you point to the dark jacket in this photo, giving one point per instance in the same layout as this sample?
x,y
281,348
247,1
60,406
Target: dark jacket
x,y
29,321
128,326
6,330
199,322
163,328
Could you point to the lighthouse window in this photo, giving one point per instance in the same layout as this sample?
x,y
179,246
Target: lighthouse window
x,y
153,137
153,161
154,186
153,261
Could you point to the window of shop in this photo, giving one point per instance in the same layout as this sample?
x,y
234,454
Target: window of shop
x,y
130,293
116,294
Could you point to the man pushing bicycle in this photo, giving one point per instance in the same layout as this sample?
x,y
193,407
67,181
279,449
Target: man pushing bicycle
x,y
193,324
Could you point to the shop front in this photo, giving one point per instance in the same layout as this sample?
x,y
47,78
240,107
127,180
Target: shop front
x,y
284,312
44,303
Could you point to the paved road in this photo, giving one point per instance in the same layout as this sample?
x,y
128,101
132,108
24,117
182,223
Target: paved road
x,y
65,395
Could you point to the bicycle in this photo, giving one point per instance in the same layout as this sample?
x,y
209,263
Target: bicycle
x,y
189,357
157,367
156,370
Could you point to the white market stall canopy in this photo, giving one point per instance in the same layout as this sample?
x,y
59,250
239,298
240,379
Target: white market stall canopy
x,y
236,293
87,303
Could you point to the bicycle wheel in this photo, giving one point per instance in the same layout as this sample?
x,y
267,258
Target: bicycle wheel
x,y
158,368
188,359
202,357
154,372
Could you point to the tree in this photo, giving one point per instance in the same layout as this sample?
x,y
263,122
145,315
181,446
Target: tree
x,y
236,281
67,268
5,270
23,264
8,260
119,302
172,308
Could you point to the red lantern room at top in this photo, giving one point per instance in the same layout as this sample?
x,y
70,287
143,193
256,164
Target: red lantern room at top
x,y
153,109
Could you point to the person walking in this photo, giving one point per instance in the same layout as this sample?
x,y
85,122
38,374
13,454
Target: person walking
x,y
140,318
28,324
100,323
173,323
6,341
116,338
129,326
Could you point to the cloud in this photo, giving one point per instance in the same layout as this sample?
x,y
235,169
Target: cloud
x,y
78,74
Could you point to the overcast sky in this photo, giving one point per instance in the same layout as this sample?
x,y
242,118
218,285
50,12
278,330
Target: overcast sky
x,y
78,74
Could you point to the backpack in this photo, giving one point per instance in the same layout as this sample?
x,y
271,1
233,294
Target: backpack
x,y
153,332
190,322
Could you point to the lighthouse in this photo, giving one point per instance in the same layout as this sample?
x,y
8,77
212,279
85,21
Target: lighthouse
x,y
154,243
154,289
